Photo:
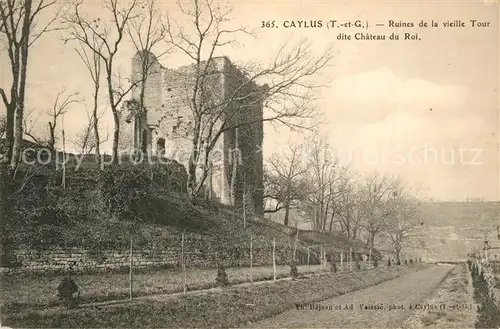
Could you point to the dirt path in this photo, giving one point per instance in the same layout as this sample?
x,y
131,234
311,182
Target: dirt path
x,y
456,291
395,295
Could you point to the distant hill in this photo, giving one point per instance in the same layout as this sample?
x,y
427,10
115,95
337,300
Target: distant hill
x,y
451,229
454,229
469,219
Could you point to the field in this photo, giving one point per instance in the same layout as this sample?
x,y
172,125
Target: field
x,y
230,307
20,292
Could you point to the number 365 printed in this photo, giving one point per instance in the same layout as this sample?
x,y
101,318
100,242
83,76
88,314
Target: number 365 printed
x,y
268,24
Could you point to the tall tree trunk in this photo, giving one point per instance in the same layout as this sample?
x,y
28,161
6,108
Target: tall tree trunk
x,y
331,220
114,110
116,135
142,108
95,125
9,131
234,175
325,215
321,215
16,154
12,106
193,161
287,213
52,137
316,218
371,239
95,119
208,188
192,179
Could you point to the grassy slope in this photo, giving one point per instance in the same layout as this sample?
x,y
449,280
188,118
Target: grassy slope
x,y
173,214
169,216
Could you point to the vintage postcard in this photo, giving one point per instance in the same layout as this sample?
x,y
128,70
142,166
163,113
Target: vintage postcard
x,y
250,164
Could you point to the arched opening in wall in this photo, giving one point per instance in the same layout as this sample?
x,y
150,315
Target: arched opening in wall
x,y
144,141
160,146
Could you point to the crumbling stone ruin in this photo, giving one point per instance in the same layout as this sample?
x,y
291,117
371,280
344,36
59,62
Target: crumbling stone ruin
x,y
165,126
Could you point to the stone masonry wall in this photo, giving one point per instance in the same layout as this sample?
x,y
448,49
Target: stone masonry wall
x,y
169,119
87,261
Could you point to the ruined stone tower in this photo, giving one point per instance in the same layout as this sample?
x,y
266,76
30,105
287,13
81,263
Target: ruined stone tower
x,y
165,125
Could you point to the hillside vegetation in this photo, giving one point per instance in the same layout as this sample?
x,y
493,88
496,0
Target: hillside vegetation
x,y
74,217
460,214
105,209
454,229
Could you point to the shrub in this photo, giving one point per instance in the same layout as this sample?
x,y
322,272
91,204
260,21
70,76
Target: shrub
x,y
221,279
125,189
68,292
170,174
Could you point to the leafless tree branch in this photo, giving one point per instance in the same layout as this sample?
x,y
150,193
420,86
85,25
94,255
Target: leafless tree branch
x,y
103,39
291,80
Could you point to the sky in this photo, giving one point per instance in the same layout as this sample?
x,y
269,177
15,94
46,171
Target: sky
x,y
426,110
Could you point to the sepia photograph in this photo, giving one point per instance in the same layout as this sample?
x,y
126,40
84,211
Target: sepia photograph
x,y
249,164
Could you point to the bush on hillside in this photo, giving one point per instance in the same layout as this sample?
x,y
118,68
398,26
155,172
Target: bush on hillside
x,y
125,190
170,175
68,292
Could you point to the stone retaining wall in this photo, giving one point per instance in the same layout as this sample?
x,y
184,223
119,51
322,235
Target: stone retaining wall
x,y
87,261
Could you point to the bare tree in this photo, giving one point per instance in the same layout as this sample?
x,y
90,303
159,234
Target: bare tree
x,y
285,184
287,96
87,140
404,224
379,202
110,35
19,31
92,61
351,209
61,105
324,177
30,124
147,32
338,186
